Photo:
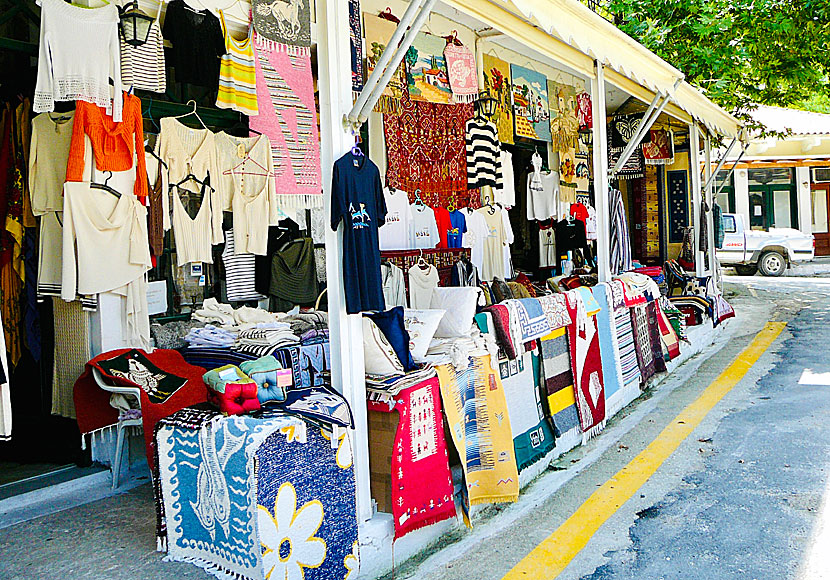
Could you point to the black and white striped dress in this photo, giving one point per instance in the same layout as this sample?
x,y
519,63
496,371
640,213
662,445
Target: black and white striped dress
x,y
483,154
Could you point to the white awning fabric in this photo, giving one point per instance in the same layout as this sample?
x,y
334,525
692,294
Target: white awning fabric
x,y
575,36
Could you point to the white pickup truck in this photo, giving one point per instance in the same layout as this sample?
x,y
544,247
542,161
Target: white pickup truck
x,y
749,251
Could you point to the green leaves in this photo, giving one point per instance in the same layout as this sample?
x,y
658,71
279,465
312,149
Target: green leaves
x,y
740,52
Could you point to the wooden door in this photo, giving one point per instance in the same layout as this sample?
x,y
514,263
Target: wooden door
x,y
820,209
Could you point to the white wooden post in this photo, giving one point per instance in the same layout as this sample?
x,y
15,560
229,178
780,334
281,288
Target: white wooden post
x,y
600,150
694,170
335,85
804,199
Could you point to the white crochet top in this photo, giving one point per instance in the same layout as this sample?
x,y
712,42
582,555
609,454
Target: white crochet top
x,y
79,54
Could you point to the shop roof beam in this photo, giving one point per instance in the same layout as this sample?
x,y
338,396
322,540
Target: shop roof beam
x,y
413,19
658,103
722,160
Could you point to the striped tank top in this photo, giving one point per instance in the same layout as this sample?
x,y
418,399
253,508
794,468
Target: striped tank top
x,y
237,75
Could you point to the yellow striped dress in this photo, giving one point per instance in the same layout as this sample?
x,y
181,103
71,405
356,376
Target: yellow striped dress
x,y
237,75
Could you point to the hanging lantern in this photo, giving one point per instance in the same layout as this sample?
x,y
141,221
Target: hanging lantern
x,y
134,24
486,104
586,136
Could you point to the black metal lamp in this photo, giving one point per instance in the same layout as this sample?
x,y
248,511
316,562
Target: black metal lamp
x,y
586,136
134,24
486,104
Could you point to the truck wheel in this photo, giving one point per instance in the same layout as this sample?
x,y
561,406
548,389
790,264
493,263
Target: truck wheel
x,y
746,270
772,264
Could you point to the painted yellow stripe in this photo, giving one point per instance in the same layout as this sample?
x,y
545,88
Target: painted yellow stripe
x,y
553,555
561,399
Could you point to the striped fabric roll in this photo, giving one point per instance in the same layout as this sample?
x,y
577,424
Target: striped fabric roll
x,y
237,75
620,241
628,354
483,154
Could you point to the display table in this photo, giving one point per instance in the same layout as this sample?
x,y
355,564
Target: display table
x,y
255,496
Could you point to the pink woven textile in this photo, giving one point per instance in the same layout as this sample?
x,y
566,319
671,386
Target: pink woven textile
x,y
461,70
288,116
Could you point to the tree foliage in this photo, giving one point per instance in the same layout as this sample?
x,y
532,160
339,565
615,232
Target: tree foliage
x,y
739,52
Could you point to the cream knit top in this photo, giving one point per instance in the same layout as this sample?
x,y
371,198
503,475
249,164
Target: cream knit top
x,y
48,155
192,235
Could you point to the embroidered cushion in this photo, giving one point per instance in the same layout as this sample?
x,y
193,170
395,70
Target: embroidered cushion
x,y
378,355
421,326
263,371
391,324
321,404
460,307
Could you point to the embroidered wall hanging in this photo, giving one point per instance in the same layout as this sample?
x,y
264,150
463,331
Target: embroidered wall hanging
x,y
426,150
660,148
287,115
584,111
678,204
356,47
530,103
378,32
564,126
621,130
461,69
497,84
285,21
426,70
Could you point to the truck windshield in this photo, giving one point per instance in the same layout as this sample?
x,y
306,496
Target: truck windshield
x,y
729,224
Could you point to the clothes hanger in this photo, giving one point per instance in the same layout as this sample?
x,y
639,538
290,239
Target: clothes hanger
x,y
233,170
190,177
105,186
387,15
451,207
149,114
418,201
356,151
193,112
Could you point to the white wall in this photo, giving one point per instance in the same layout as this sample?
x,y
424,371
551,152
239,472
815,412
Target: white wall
x,y
805,204
742,193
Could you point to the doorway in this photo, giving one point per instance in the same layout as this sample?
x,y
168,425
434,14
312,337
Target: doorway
x,y
772,206
820,203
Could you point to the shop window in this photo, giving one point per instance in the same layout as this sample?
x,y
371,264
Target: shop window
x,y
819,205
771,176
729,224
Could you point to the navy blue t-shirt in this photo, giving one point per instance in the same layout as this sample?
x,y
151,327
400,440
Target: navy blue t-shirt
x,y
459,228
357,200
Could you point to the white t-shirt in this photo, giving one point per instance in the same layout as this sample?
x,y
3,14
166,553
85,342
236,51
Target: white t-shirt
x,y
506,194
493,260
396,233
421,284
475,235
424,228
591,224
508,239
542,196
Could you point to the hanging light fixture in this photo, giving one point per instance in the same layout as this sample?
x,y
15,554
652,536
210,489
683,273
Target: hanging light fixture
x,y
586,136
134,24
486,104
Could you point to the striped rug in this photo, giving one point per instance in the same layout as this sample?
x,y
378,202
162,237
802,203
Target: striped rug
x,y
559,383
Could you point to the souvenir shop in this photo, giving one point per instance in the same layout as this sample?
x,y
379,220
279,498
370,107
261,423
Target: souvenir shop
x,y
299,258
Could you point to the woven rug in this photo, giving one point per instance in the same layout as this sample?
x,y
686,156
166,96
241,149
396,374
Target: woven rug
x,y
288,117
667,334
649,359
426,150
628,352
154,373
476,412
609,349
305,502
420,455
559,382
586,362
654,336
532,435
209,491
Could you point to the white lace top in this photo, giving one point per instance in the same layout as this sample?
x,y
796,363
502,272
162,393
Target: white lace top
x,y
79,54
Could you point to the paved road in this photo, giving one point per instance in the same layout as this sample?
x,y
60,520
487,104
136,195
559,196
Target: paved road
x,y
741,498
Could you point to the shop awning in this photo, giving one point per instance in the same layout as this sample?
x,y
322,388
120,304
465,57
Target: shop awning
x,y
575,35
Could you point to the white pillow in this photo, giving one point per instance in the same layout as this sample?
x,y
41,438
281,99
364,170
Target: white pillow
x,y
421,326
460,304
378,355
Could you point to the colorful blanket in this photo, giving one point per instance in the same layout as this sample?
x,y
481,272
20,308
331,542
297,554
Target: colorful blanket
x,y
559,382
420,456
628,353
532,435
305,502
476,411
287,115
497,84
166,384
583,340
426,150
608,346
649,359
501,325
667,334
537,317
378,32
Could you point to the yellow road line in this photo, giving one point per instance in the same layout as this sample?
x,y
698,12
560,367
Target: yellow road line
x,y
551,557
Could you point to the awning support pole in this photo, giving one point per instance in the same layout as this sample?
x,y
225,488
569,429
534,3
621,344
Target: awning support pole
x,y
600,146
731,171
722,160
697,192
710,215
388,65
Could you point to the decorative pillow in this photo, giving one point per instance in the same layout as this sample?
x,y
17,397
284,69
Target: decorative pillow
x,y
378,355
392,325
460,307
263,371
421,326
231,391
321,404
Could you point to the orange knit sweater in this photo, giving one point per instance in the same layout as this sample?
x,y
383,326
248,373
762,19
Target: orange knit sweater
x,y
113,144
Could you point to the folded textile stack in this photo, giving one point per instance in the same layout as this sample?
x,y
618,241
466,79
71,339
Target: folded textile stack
x,y
392,385
210,336
302,322
264,339
315,336
639,285
224,315
171,335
